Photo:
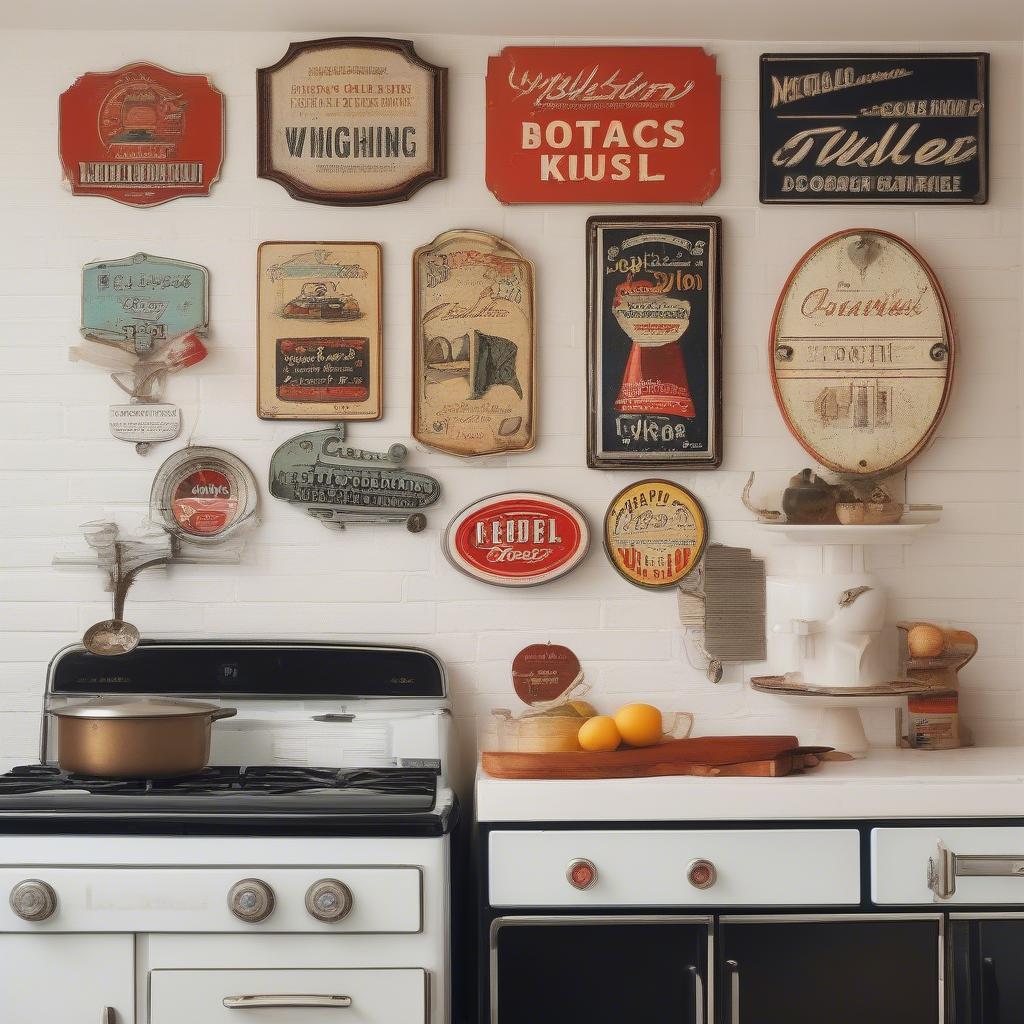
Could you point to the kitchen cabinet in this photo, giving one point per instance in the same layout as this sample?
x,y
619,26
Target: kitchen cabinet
x,y
843,970
986,981
67,978
602,970
361,996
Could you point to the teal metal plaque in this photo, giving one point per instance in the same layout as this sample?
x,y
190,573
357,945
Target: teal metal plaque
x,y
139,302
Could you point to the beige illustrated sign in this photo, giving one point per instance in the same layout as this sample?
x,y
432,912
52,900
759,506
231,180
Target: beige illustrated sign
x,y
473,345
319,331
862,352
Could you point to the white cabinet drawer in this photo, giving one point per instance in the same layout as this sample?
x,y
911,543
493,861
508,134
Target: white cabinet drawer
x,y
288,997
784,867
900,865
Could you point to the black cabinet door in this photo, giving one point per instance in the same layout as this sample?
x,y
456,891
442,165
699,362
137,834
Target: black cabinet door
x,y
860,971
582,970
987,976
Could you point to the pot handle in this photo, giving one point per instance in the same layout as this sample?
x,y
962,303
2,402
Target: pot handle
x,y
223,713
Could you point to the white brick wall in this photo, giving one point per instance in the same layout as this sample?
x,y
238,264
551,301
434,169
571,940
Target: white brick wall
x,y
59,468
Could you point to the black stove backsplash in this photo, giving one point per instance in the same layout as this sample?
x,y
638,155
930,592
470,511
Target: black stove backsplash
x,y
233,669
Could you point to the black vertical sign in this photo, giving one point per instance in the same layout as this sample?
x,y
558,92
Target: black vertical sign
x,y
881,128
654,342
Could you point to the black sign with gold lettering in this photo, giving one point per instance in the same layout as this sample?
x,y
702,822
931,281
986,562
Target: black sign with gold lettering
x,y
884,127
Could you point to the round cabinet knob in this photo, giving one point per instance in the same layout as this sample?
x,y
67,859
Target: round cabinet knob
x,y
329,900
581,873
701,874
251,900
33,900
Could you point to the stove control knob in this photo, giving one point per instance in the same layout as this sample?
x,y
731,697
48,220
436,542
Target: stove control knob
x,y
329,900
33,900
251,900
581,873
701,874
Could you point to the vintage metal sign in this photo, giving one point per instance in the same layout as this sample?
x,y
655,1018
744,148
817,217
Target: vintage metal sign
x,y
542,673
654,342
654,533
203,495
341,485
142,135
603,124
352,121
862,350
879,127
474,339
319,331
517,539
140,302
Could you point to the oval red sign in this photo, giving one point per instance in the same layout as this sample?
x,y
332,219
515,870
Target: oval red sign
x,y
517,539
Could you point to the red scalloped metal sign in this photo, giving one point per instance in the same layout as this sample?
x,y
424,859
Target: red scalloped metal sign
x,y
141,135
517,539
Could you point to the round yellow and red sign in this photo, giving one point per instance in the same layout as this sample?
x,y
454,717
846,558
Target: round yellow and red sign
x,y
654,533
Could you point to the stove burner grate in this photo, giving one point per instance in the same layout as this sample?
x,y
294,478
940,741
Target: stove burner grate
x,y
220,779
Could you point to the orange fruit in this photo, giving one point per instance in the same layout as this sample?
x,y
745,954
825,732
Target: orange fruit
x,y
926,641
639,725
599,733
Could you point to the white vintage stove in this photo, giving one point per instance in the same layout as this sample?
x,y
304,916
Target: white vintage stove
x,y
305,872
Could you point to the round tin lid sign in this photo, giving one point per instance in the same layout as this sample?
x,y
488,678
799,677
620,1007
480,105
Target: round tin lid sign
x,y
517,539
654,533
203,495
862,352
542,673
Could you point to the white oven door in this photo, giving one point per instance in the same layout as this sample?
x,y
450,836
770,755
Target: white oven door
x,y
367,996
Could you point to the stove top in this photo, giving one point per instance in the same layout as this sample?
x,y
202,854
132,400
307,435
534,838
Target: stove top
x,y
340,706
358,796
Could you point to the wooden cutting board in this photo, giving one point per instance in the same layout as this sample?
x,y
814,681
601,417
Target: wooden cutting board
x,y
752,756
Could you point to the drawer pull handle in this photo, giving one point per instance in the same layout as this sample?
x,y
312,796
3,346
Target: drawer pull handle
x,y
581,874
109,1015
946,866
289,1001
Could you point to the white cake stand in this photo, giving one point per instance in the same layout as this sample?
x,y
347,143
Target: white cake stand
x,y
840,724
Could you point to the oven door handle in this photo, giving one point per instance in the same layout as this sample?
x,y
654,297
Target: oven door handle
x,y
252,1002
732,968
989,991
947,866
698,995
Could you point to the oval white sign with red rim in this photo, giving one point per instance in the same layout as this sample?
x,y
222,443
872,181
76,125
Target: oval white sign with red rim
x,y
517,539
862,352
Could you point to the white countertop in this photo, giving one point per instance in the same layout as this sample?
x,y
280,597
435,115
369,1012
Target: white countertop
x,y
972,782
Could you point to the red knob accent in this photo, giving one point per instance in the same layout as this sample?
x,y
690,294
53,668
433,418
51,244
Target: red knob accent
x,y
701,874
582,874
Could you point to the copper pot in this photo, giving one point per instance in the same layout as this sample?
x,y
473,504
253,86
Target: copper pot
x,y
118,738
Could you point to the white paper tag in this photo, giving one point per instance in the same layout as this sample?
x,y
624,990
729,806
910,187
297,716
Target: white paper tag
x,y
145,421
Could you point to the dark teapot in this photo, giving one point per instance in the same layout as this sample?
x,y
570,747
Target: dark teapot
x,y
810,500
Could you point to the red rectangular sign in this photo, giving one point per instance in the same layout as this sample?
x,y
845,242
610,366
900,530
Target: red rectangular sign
x,y
603,124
